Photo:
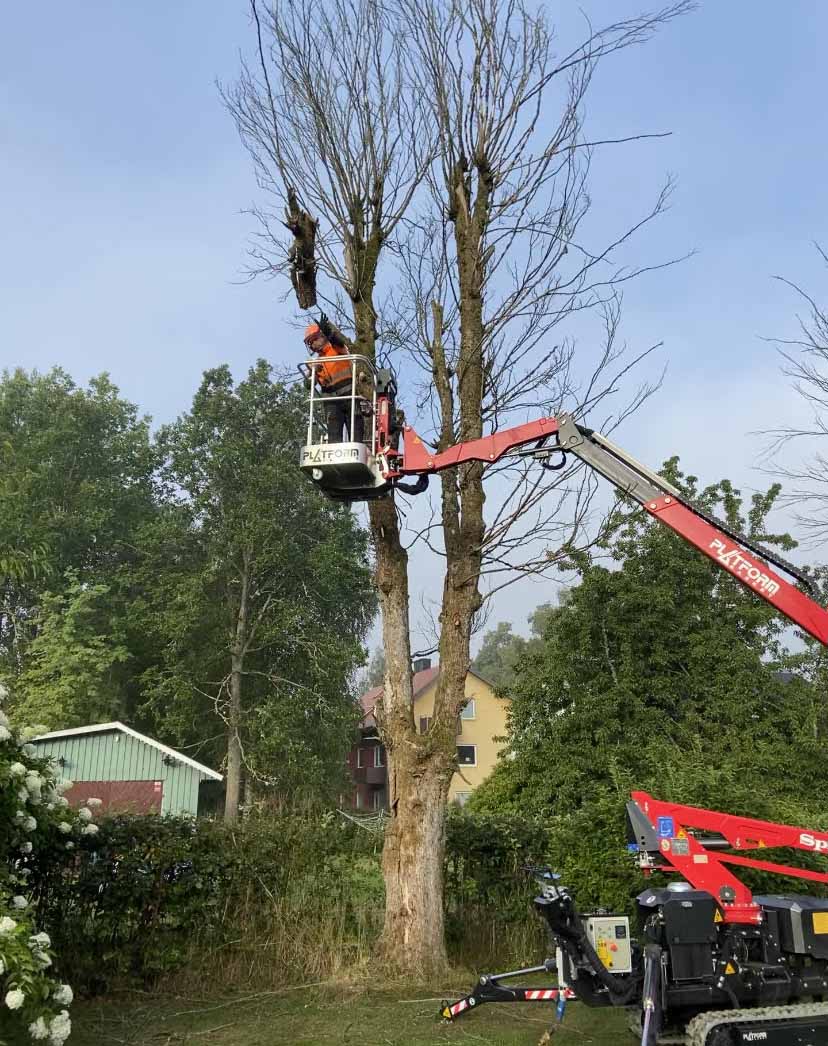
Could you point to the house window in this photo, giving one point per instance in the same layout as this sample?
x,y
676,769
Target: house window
x,y
360,758
378,799
461,798
358,800
467,755
379,755
469,711
425,724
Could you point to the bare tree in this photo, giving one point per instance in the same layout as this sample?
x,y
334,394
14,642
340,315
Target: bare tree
x,y
805,362
437,148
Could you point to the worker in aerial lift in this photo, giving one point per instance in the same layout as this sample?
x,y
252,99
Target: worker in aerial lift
x,y
334,380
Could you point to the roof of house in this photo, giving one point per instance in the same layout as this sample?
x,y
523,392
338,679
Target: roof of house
x,y
103,727
420,682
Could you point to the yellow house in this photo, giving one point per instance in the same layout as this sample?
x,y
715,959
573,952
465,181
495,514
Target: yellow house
x,y
482,720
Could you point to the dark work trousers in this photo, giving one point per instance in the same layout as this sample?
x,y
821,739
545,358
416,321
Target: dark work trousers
x,y
338,415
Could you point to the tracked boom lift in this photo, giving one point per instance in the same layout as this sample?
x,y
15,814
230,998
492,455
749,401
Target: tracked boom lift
x,y
711,965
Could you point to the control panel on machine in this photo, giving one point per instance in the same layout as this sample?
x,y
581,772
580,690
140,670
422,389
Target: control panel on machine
x,y
609,935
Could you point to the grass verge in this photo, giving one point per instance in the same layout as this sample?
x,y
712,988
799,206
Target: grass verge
x,y
320,1015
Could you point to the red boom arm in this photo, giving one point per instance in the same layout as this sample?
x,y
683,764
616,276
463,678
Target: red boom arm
x,y
655,494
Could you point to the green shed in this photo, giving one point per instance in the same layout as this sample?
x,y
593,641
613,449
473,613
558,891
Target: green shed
x,y
124,769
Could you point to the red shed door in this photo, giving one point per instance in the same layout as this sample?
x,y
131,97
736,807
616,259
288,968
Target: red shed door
x,y
138,797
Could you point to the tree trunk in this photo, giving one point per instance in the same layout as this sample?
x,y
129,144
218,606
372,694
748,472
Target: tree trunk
x,y
418,778
412,862
232,793
302,251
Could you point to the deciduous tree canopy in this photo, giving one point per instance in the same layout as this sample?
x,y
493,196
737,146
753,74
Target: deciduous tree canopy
x,y
194,584
659,672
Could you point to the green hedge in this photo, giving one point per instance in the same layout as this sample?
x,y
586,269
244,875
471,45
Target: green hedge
x,y
275,899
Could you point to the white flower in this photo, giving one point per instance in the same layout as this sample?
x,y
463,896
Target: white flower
x,y
39,1029
50,807
62,800
90,829
4,693
17,770
93,802
26,848
24,872
60,1029
7,924
20,816
23,795
4,733
40,940
34,782
29,824
15,999
4,719
65,827
84,814
30,750
19,902
64,784
63,995
2,967
42,959
70,845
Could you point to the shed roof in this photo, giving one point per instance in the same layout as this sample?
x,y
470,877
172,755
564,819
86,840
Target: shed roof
x,y
124,729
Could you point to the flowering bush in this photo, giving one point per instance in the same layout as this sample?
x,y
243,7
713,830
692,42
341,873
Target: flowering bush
x,y
36,828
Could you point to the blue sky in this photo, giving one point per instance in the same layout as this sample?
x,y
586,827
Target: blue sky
x,y
123,182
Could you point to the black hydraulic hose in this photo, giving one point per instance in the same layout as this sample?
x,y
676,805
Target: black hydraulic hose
x,y
418,487
620,992
572,932
651,994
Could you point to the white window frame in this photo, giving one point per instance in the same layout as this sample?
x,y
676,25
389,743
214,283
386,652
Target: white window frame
x,y
428,720
464,712
475,756
379,754
360,758
461,798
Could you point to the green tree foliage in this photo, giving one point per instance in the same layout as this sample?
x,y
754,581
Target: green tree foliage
x,y
662,674
374,674
256,589
499,655
78,665
501,651
77,484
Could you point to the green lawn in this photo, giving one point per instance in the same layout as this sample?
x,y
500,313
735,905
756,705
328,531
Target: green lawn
x,y
317,1016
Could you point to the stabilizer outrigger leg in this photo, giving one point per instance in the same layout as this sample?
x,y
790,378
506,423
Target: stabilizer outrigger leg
x,y
490,989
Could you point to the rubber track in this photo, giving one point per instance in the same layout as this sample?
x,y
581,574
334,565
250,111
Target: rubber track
x,y
700,1027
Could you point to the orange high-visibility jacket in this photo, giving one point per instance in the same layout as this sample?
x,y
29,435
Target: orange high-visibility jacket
x,y
333,374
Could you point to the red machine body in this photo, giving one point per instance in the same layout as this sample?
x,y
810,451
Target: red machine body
x,y
680,849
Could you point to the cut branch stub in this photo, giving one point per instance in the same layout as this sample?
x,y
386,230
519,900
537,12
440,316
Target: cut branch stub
x,y
301,254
